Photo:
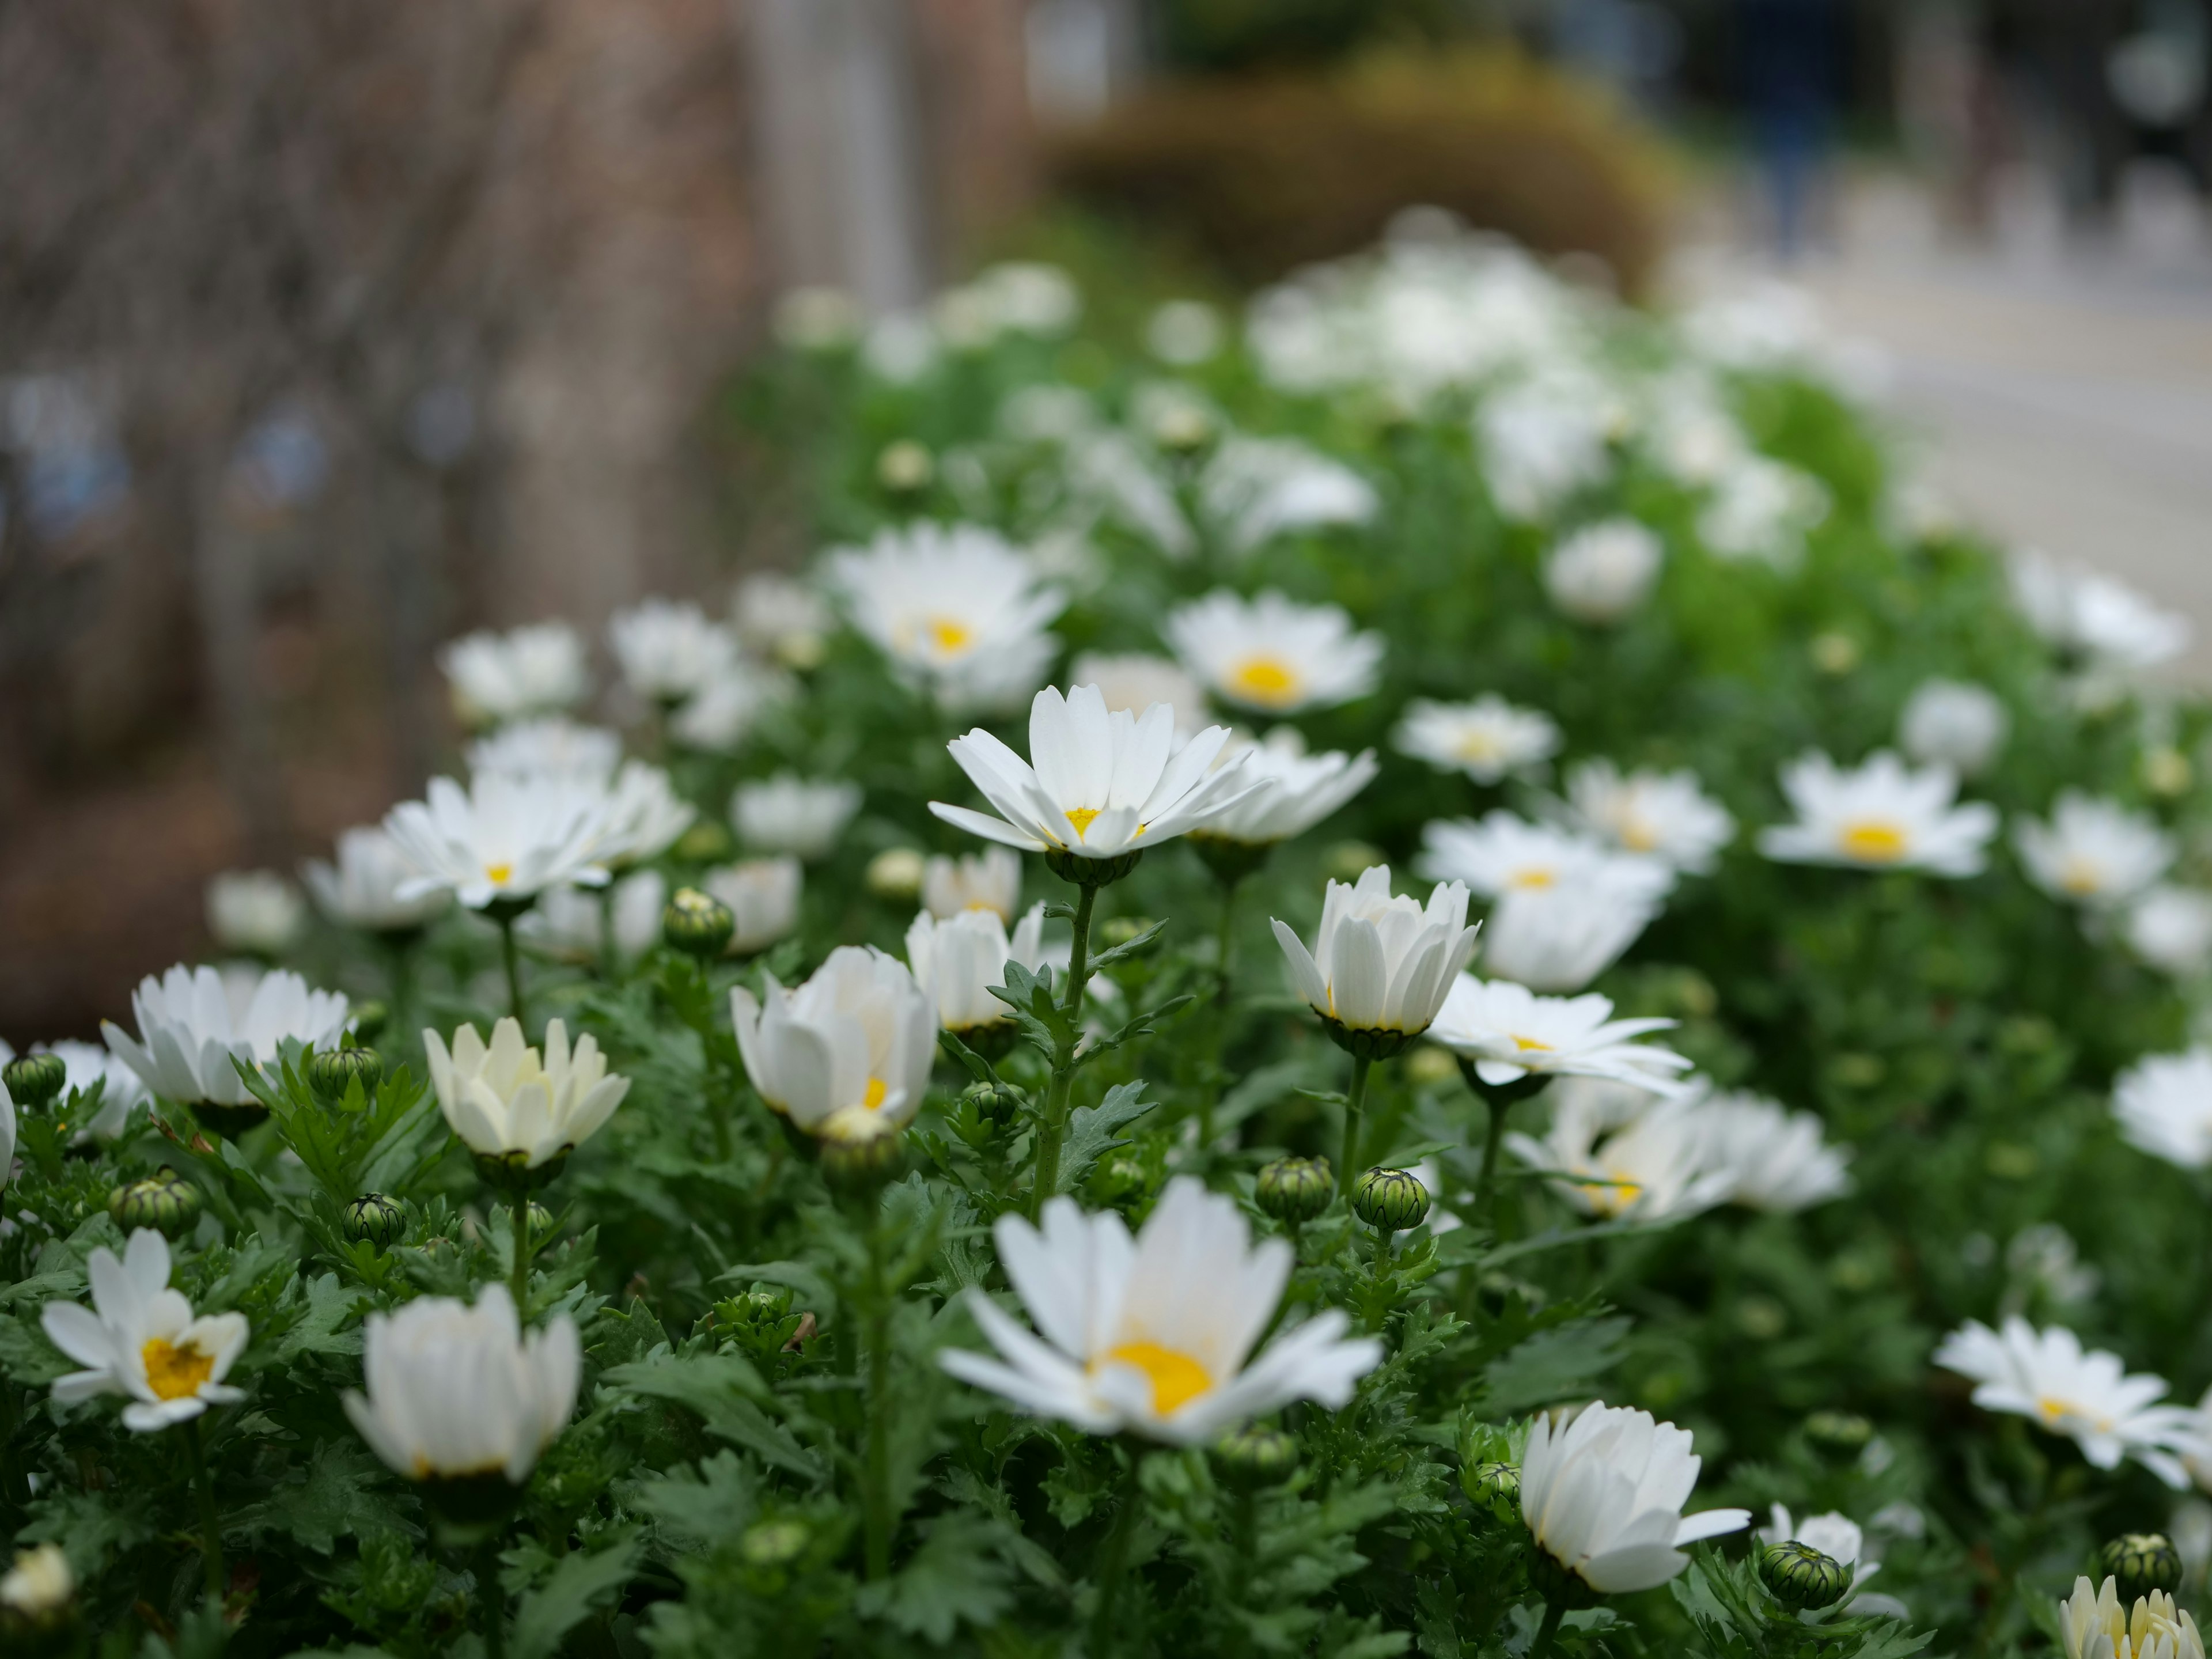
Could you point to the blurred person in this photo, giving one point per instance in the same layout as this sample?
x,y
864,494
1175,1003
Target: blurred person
x,y
1791,55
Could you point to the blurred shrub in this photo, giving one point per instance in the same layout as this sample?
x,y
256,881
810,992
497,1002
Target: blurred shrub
x,y
1267,173
1235,35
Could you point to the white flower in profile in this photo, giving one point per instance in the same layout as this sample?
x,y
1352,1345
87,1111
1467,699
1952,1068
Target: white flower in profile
x,y
1380,962
40,1585
669,651
1602,1496
1842,1541
783,618
1762,509
7,1133
497,677
362,889
1294,791
641,816
957,960
722,714
1272,654
1097,784
2093,851
1184,332
502,840
2088,614
988,880
568,921
551,744
2093,1625
1953,723
140,1340
1665,814
786,814
1027,296
256,911
1258,489
2048,1377
1604,572
847,1053
1775,1160
1543,441
193,1024
1504,853
454,1391
957,609
1510,1033
505,1103
1131,682
762,897
1882,815
1653,1167
2164,1105
2169,927
1557,939
85,1066
1487,740
1154,1335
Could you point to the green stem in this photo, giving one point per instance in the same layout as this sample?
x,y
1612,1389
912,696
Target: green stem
x,y
1224,941
491,1599
606,933
211,1526
1548,1631
1054,1125
513,959
1355,1103
1114,1560
1486,1183
520,1201
875,1499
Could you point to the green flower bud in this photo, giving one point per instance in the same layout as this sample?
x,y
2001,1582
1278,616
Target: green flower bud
x,y
896,872
2141,1562
1840,1432
1390,1200
905,466
373,1218
329,1073
164,1200
863,1160
1253,1457
540,1220
1497,1485
1801,1577
1294,1190
771,1544
703,842
698,924
996,1103
1368,1041
1122,1178
34,1080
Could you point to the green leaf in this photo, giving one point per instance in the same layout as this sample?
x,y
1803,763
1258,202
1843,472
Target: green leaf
x,y
1091,1130
549,1611
954,1578
701,1508
329,1305
1130,947
1553,1364
338,1495
27,1359
728,1396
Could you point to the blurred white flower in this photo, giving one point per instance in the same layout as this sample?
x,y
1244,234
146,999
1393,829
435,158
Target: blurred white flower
x,y
569,921
2164,1105
256,911
1602,1496
847,1053
669,651
786,814
1604,572
1510,1032
2045,1264
495,677
363,888
40,1585
1026,297
783,618
988,880
1762,509
957,960
8,1130
1687,431
1131,682
1880,815
641,816
1488,739
194,1023
2104,622
900,348
1258,489
505,1103
2095,1626
139,1339
1664,814
1953,723
717,718
1272,654
1840,1539
1154,1335
2093,851
762,897
1295,790
1765,326
1775,1160
1558,939
1184,332
2169,927
1380,962
1653,1167
85,1065
1544,440
956,608
502,840
1504,853
551,744
815,320
2046,1376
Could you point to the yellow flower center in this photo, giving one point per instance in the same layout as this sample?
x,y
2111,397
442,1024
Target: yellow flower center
x,y
1175,1377
175,1373
1873,842
2082,878
499,874
1478,746
1081,818
1524,1044
1611,1198
873,1099
949,636
1537,878
1638,836
1268,681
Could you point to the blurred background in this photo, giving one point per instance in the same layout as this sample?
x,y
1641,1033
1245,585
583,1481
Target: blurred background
x,y
328,332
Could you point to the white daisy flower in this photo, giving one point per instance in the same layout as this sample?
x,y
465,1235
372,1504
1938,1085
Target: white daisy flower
x,y
1953,723
847,1053
988,880
1545,439
1261,488
1653,1167
2090,615
786,814
2164,1105
1775,1160
957,961
1665,814
2169,927
717,718
254,910
139,1340
1131,682
362,889
1762,509
1604,572
1511,1032
1842,1541
2094,1625
1504,853
85,1065
1098,786
641,816
1380,962
454,1391
1154,1335
1557,939
669,651
956,608
1487,738
568,921
2047,1376
1184,332
499,841
1270,653
762,897
551,744
1602,1496
1882,815
783,618
497,678
194,1023
1294,790
2093,851
40,1585
505,1103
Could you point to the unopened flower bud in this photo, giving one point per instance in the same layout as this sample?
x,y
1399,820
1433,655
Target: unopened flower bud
x,y
996,1103
895,874
1253,1457
1121,1179
1294,1190
698,924
905,467
1390,1200
331,1072
2141,1562
1842,1431
1497,1485
373,1218
771,1544
164,1201
1801,1577
34,1080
